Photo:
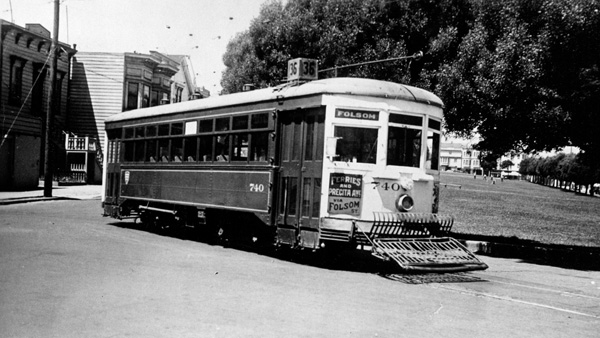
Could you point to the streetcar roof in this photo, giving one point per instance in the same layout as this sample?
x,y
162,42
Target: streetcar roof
x,y
344,86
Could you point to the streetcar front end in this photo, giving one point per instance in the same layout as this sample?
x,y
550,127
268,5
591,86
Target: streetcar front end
x,y
382,171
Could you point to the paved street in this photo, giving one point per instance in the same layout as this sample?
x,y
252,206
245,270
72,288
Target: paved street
x,y
65,271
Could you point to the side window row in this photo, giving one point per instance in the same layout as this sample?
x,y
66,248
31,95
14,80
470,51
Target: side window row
x,y
236,123
237,147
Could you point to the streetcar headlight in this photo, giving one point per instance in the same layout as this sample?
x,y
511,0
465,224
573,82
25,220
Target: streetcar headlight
x,y
404,203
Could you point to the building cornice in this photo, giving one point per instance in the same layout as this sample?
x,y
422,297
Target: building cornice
x,y
31,35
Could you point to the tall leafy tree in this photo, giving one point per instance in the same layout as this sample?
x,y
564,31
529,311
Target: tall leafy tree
x,y
523,74
341,32
242,63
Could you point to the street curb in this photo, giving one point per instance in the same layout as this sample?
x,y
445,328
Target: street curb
x,y
30,199
572,257
20,200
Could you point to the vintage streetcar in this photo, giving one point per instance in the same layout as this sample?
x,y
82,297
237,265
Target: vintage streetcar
x,y
339,162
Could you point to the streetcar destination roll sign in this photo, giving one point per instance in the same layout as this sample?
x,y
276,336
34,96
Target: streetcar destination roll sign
x,y
357,114
345,192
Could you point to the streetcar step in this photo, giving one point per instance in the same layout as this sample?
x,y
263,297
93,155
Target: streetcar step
x,y
443,254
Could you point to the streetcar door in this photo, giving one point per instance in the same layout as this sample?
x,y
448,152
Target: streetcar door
x,y
301,160
113,167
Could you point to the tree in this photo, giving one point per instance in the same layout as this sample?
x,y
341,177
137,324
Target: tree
x,y
488,160
341,32
241,61
528,166
506,164
522,74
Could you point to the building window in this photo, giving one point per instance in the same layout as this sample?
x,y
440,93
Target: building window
x,y
58,92
132,96
157,98
178,94
16,81
154,98
138,96
37,94
145,96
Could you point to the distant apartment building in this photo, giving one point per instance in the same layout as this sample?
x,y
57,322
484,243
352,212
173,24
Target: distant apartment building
x,y
457,156
450,156
25,59
104,84
515,159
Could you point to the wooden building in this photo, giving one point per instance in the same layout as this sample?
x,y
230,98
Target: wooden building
x,y
104,84
184,86
25,60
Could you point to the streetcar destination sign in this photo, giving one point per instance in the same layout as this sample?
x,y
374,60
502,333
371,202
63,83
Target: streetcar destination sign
x,y
357,114
345,193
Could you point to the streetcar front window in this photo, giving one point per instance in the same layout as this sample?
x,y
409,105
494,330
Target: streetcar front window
x,y
356,144
433,150
404,146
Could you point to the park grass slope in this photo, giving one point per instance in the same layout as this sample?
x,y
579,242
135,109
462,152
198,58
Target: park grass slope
x,y
517,211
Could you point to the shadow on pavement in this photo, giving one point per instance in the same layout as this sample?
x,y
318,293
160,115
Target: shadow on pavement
x,y
331,259
563,256
348,259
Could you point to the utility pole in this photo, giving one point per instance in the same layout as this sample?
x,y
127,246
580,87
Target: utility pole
x,y
48,161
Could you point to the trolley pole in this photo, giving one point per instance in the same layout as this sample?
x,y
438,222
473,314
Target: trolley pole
x,y
48,160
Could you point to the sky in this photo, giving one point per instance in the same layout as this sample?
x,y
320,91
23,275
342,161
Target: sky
x,y
198,28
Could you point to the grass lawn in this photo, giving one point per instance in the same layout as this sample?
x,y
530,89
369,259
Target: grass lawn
x,y
520,210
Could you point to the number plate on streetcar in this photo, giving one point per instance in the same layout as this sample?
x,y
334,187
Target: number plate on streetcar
x,y
302,69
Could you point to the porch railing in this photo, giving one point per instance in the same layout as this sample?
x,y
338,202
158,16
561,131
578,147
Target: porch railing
x,y
79,143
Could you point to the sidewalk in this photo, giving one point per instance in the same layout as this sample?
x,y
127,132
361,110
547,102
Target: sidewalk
x,y
80,192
